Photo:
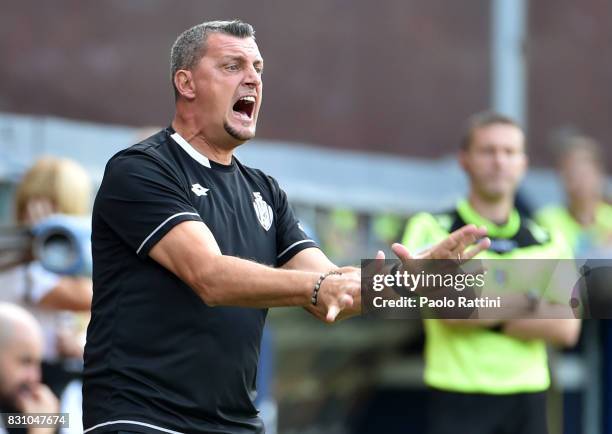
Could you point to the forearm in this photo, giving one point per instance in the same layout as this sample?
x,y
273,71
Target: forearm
x,y
191,252
515,307
71,293
562,332
231,281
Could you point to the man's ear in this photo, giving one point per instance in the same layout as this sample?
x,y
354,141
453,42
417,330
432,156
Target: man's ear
x,y
183,81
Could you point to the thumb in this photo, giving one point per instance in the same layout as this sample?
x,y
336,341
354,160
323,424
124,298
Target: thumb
x,y
401,252
332,313
379,260
345,301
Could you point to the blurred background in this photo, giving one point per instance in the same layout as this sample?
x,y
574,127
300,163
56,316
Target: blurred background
x,y
363,109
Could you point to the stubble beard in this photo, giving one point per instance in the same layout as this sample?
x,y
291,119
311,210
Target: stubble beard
x,y
243,137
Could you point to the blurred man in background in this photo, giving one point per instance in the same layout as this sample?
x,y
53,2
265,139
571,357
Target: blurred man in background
x,y
21,346
491,376
585,220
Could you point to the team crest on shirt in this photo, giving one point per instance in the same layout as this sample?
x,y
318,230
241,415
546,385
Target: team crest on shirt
x,y
263,211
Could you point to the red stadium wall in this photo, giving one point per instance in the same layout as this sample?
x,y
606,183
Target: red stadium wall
x,y
398,76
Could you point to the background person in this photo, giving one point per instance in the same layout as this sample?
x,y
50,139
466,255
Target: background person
x,y
51,186
21,344
491,376
585,220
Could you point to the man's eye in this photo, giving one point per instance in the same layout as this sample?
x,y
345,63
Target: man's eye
x,y
232,67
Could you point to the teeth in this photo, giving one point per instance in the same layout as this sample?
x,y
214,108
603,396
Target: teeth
x,y
248,98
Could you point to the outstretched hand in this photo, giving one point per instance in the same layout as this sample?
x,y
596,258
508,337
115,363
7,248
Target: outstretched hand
x,y
340,293
461,245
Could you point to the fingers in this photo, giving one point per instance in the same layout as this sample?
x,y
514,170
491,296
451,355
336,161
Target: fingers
x,y
338,292
454,247
457,252
401,252
334,309
40,400
332,313
377,265
22,399
463,236
483,244
463,241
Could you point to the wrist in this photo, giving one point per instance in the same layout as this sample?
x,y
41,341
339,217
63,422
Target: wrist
x,y
306,286
314,298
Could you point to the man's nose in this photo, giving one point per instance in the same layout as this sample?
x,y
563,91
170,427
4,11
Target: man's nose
x,y
252,78
500,158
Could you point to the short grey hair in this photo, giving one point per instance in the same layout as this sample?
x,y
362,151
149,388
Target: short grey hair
x,y
190,46
571,143
481,120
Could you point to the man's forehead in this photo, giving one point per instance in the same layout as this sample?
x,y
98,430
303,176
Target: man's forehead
x,y
27,350
499,131
510,139
221,44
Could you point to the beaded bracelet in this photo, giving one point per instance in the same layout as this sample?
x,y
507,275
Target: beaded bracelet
x,y
315,291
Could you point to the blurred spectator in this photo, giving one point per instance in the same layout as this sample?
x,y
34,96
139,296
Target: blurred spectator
x,y
21,345
51,186
490,376
585,220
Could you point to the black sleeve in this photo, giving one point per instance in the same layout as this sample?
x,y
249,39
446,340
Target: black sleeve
x,y
140,200
290,236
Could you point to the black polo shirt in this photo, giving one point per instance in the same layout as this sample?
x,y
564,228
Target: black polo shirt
x,y
158,359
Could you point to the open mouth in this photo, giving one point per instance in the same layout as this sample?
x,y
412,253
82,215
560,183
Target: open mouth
x,y
245,106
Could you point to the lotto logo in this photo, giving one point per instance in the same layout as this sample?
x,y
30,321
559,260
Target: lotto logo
x,y
199,190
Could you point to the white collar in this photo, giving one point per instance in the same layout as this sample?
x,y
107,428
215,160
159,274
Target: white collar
x,y
190,150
